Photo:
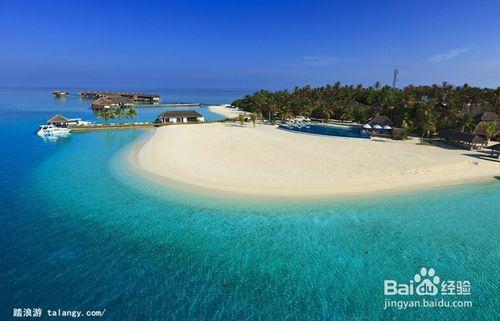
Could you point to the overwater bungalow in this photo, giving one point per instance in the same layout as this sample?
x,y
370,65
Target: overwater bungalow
x,y
464,140
58,121
135,97
59,93
180,116
145,98
108,102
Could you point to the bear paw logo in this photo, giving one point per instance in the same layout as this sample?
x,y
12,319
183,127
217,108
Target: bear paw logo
x,y
427,281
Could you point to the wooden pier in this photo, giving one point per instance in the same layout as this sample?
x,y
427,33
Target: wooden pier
x,y
135,97
172,104
120,126
112,126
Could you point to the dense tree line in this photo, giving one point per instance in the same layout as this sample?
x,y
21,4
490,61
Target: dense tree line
x,y
420,109
111,113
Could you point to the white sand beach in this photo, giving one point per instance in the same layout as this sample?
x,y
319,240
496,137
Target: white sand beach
x,y
225,111
268,161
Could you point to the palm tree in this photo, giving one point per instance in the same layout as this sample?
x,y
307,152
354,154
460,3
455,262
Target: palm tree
x,y
132,113
118,113
261,118
421,108
262,102
466,122
241,119
346,111
426,119
253,117
491,129
106,114
360,115
272,109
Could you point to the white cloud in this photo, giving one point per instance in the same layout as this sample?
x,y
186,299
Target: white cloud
x,y
318,60
449,55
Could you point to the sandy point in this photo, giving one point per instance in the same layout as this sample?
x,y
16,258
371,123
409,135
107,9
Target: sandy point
x,y
266,161
226,111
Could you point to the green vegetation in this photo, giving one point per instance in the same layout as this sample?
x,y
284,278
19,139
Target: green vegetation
x,y
105,114
132,113
422,110
241,119
491,129
399,134
253,117
424,142
117,113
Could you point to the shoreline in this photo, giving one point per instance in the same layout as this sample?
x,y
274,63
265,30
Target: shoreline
x,y
191,188
150,160
227,112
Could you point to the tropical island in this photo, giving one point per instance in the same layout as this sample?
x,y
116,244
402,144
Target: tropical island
x,y
421,110
247,155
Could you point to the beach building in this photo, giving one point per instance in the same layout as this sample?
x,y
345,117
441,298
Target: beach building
x,y
380,124
381,121
486,116
180,116
480,120
59,93
107,102
145,98
58,121
464,140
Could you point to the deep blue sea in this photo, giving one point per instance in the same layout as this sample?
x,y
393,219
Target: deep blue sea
x,y
79,230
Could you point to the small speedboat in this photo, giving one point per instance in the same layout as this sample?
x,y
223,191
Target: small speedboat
x,y
51,130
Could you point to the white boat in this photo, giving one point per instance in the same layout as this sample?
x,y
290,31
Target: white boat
x,y
51,130
79,122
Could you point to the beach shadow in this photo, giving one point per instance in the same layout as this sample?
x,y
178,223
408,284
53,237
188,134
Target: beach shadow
x,y
444,145
484,156
233,125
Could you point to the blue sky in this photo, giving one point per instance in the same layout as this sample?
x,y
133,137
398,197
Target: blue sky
x,y
247,44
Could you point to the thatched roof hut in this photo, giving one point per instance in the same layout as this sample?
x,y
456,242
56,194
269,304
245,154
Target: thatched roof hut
x,y
486,116
468,141
481,128
380,120
111,102
58,120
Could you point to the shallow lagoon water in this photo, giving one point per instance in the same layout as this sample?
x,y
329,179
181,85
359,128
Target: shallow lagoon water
x,y
80,230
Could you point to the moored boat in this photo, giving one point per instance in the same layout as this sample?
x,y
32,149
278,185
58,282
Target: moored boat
x,y
51,130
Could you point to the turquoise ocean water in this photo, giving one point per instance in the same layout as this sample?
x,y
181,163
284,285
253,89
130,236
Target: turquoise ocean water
x,y
79,230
